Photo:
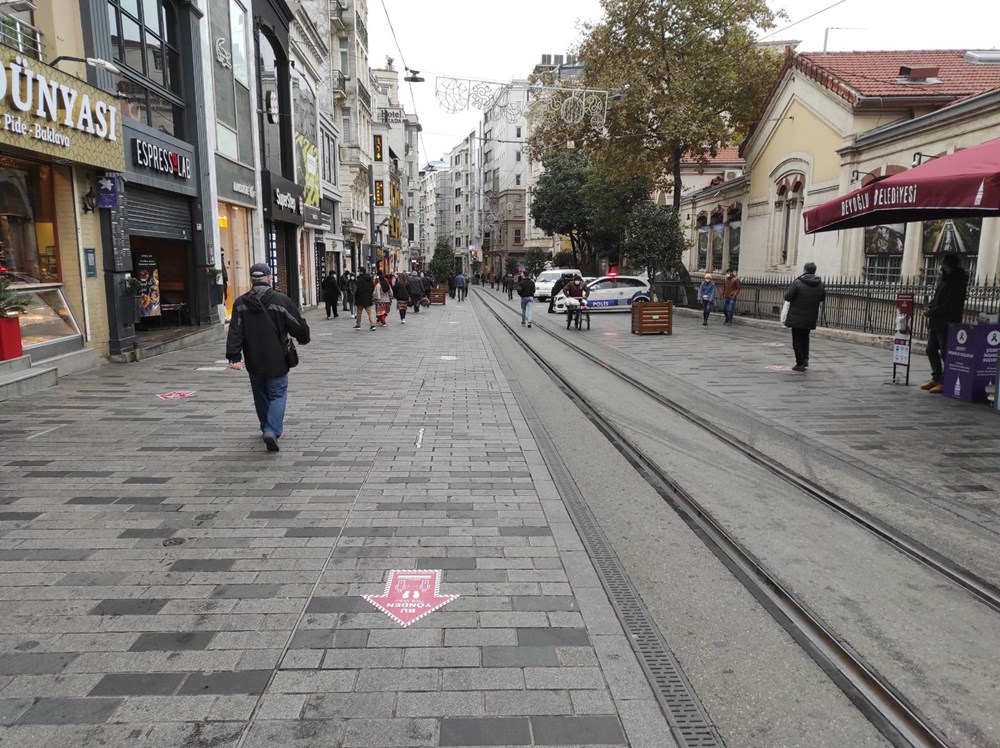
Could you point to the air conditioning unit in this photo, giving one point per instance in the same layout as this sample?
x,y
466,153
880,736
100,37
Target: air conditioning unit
x,y
731,174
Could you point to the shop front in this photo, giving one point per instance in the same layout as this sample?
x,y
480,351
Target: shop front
x,y
160,188
237,201
56,135
283,215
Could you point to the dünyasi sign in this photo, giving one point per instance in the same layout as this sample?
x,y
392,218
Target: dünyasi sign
x,y
47,111
964,183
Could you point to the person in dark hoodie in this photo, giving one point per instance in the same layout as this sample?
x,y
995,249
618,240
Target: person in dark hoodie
x,y
262,320
331,292
363,293
416,289
946,306
804,297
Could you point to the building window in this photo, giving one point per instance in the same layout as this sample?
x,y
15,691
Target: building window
x,y
884,253
329,157
517,180
28,250
517,236
458,192
144,45
517,132
458,208
786,218
702,230
458,242
410,231
715,238
487,157
517,156
735,233
458,225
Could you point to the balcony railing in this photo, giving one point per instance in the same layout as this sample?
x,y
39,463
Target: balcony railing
x,y
339,82
337,11
364,96
362,30
22,36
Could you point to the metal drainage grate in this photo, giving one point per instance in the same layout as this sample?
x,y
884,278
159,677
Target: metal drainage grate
x,y
687,717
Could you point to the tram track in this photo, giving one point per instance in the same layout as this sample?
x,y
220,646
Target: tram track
x,y
884,706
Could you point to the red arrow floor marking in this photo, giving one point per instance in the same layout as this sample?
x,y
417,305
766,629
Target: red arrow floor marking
x,y
410,594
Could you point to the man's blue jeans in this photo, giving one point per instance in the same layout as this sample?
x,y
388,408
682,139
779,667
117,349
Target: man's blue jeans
x,y
527,302
729,305
269,397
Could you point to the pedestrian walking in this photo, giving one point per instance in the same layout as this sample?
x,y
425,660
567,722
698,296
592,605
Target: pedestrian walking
x,y
511,282
451,285
382,296
331,293
460,290
730,291
706,295
416,288
946,306
261,323
401,292
526,290
804,297
347,285
428,285
558,286
364,298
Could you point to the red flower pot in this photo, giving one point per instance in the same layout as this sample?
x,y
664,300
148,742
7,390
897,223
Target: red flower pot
x,y
10,338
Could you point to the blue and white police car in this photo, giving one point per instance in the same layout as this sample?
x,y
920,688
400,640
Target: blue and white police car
x,y
612,293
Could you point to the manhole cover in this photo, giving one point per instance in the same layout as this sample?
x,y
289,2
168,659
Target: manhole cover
x,y
173,541
206,516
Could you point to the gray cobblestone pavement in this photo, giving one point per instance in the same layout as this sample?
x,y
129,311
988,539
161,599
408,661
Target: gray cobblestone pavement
x,y
165,581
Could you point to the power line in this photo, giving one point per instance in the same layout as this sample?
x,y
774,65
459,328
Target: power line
x,y
402,59
803,20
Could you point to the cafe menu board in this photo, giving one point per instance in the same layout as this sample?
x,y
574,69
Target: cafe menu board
x,y
149,276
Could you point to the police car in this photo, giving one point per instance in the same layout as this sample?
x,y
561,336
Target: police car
x,y
612,293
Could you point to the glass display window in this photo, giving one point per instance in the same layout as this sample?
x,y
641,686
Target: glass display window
x,y
28,239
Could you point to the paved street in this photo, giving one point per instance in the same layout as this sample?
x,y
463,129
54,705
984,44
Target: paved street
x,y
165,581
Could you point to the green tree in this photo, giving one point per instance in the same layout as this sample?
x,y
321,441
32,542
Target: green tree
x,y
557,204
510,265
688,77
563,259
476,266
443,261
654,238
610,202
535,259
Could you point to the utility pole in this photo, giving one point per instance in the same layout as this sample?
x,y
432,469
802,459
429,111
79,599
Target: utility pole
x,y
372,251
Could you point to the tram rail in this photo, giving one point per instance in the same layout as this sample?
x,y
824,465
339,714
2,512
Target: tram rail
x,y
884,706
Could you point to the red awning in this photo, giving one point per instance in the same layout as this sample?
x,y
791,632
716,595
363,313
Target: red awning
x,y
964,183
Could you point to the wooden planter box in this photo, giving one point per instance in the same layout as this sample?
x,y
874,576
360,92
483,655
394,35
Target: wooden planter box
x,y
10,338
438,295
653,317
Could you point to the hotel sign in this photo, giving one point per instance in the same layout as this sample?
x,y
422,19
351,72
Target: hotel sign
x,y
49,112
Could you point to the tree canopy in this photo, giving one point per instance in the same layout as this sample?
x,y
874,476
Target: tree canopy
x,y
686,76
654,238
443,260
534,260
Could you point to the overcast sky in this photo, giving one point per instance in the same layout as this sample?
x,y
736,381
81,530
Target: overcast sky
x,y
463,39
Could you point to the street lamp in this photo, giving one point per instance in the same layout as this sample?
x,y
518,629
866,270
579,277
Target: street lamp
x,y
413,76
94,62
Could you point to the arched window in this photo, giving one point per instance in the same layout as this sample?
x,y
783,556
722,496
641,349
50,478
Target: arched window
x,y
785,219
702,228
716,238
734,222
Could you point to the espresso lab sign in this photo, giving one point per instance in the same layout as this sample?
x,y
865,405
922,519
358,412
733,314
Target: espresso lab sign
x,y
47,111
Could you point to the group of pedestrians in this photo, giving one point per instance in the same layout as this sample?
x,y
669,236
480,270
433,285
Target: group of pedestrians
x,y
373,296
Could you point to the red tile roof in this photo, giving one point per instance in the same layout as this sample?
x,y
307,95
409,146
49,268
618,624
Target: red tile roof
x,y
724,156
854,75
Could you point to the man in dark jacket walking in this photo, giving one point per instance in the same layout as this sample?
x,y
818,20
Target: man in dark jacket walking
x,y
331,292
946,307
556,288
804,297
416,289
363,293
262,320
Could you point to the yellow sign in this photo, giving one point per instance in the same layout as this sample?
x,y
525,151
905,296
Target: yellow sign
x,y
50,112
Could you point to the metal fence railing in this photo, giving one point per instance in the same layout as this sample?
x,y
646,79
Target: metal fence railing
x,y
851,304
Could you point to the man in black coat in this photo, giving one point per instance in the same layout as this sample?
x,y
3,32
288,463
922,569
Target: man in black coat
x,y
363,299
946,307
262,320
804,296
558,286
331,292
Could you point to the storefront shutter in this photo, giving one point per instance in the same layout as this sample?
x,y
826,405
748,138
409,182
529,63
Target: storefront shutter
x,y
158,214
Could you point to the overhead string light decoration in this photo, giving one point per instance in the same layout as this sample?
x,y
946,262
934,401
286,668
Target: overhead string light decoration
x,y
571,104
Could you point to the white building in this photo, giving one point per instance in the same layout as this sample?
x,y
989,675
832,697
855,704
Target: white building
x,y
505,174
462,220
434,204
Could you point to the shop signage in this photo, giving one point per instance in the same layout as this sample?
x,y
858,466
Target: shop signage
x,y
902,341
90,253
284,199
163,160
107,193
245,189
47,111
410,595
392,116
287,201
236,183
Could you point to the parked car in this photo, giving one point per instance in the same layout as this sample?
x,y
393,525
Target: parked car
x,y
612,293
547,279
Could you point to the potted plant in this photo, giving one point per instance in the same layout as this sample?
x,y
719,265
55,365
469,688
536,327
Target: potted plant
x,y
131,288
12,305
